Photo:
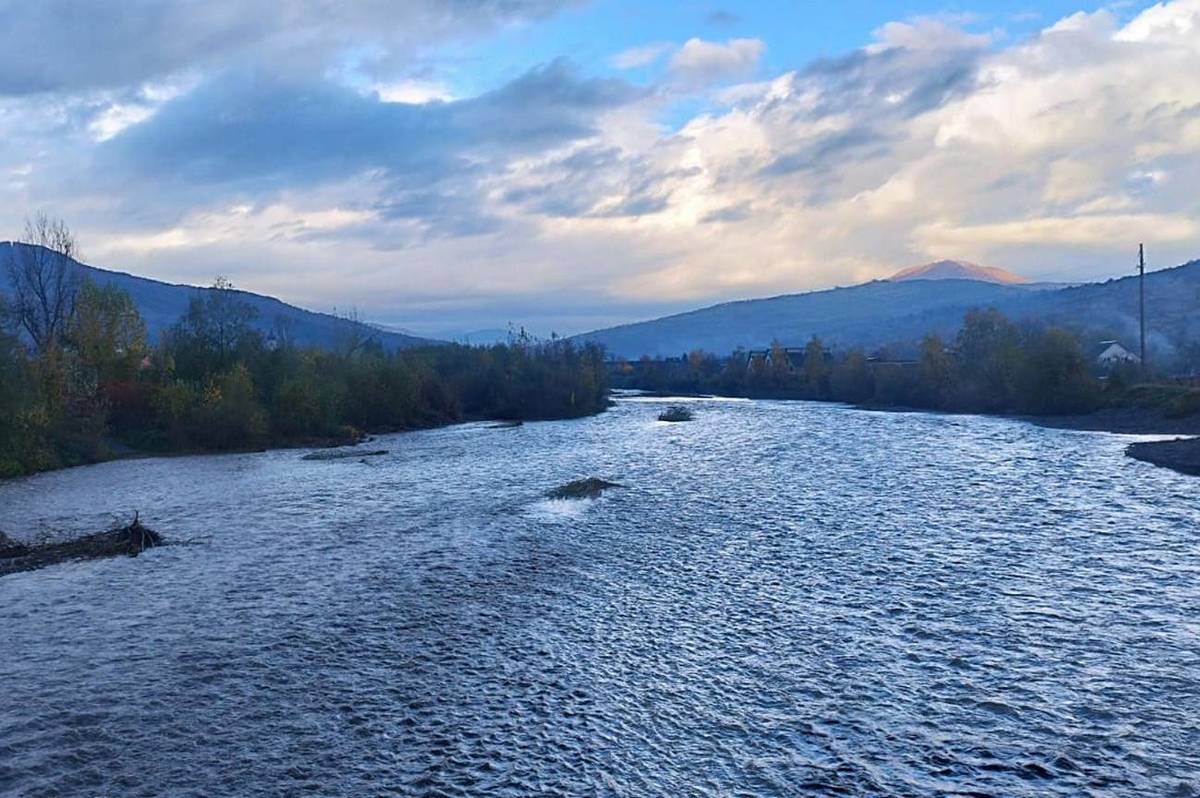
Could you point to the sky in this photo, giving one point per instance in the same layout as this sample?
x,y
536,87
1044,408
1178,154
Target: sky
x,y
444,166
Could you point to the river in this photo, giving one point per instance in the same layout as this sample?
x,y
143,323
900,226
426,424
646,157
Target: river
x,y
786,598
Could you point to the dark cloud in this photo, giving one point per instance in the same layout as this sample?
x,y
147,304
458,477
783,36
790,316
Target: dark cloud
x,y
581,184
878,90
68,45
251,136
637,205
827,153
445,211
246,127
572,185
722,18
730,213
894,82
648,192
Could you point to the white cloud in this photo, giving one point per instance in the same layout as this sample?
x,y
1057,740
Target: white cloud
x,y
641,56
117,113
1176,21
115,118
413,92
927,33
700,62
1051,156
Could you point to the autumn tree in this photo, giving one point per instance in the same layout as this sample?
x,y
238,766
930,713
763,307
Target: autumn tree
x,y
816,370
781,366
989,352
850,380
108,332
934,371
1053,376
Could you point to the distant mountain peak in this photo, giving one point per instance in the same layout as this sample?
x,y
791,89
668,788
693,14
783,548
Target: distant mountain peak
x,y
958,270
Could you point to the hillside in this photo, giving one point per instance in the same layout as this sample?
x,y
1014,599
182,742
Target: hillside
x,y
1110,310
959,270
872,314
161,305
900,312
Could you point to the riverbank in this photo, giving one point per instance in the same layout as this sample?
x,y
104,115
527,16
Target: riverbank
x,y
1124,421
115,450
122,450
1182,455
1118,420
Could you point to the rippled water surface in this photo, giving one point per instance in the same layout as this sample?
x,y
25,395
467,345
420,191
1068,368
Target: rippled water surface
x,y
786,599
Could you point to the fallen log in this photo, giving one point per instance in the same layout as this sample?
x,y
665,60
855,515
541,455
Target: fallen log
x,y
343,455
130,540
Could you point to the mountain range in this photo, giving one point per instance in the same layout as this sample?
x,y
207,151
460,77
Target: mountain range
x,y
898,312
894,313
162,304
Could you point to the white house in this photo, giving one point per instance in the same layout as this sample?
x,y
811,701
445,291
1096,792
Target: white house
x,y
1111,353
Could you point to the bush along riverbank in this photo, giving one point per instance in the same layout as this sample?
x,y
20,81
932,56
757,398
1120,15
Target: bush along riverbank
x,y
89,387
994,366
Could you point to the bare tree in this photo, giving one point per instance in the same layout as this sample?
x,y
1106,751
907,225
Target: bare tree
x,y
351,335
45,281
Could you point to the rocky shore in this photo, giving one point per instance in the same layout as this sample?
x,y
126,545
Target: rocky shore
x,y
1126,421
1182,455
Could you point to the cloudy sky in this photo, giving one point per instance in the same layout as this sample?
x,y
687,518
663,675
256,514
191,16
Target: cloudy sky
x,y
448,165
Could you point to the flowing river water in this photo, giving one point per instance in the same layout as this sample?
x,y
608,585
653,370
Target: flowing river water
x,y
785,599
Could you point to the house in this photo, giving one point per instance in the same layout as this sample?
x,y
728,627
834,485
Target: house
x,y
875,362
795,355
1112,353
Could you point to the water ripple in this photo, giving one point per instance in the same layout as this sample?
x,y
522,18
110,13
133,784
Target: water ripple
x,y
786,599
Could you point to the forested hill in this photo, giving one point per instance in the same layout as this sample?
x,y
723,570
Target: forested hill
x,y
899,313
1110,310
162,304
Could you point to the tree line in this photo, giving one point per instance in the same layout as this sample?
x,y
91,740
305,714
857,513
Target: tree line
x,y
80,381
994,365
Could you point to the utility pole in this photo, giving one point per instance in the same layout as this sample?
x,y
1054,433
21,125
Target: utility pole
x,y
1142,300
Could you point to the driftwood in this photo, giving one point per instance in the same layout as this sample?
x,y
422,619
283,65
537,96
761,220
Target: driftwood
x,y
589,488
10,548
130,540
675,413
343,455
